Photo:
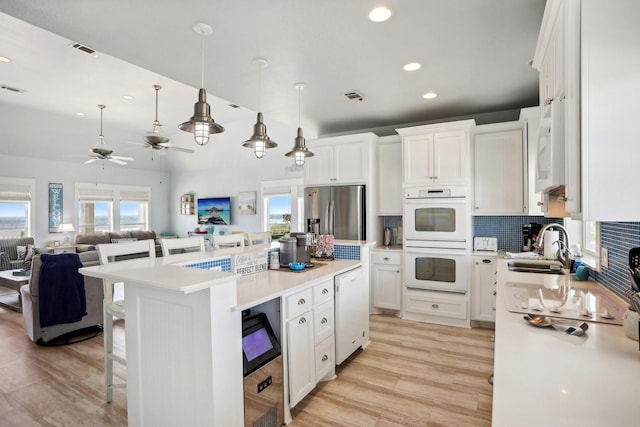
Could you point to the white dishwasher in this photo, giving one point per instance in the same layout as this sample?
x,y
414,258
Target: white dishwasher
x,y
352,312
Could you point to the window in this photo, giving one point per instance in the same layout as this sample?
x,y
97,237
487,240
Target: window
x,y
112,208
282,207
16,197
587,235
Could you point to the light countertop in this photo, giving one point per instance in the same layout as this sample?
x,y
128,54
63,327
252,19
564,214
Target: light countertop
x,y
545,377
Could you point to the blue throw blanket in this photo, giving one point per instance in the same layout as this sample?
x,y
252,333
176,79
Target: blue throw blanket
x,y
62,296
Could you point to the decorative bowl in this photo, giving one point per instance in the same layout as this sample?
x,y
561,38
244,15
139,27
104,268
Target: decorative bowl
x,y
297,266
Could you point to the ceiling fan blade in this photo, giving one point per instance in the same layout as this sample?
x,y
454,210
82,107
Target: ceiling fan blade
x,y
90,161
129,159
117,161
184,150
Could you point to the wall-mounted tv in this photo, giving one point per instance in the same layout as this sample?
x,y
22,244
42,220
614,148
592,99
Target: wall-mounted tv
x,y
214,210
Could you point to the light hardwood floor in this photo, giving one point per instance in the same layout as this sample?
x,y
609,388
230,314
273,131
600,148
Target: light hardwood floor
x,y
412,374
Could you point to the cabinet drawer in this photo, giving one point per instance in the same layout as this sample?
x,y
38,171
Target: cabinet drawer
x,y
323,322
325,359
323,292
299,302
386,257
437,304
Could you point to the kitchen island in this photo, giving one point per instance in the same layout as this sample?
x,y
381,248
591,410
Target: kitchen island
x,y
545,377
184,331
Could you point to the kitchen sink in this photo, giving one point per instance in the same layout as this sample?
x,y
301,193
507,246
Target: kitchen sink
x,y
536,266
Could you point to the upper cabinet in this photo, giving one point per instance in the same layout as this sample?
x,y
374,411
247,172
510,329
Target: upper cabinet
x,y
594,91
340,160
499,169
436,154
389,175
530,119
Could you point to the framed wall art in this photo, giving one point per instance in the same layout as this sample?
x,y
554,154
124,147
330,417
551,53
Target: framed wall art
x,y
55,206
247,203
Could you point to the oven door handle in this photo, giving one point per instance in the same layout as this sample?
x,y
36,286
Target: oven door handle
x,y
435,251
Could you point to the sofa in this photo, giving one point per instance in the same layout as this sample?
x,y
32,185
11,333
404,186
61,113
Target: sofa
x,y
31,302
9,258
88,241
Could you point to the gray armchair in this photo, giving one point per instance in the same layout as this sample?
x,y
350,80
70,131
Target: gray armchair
x,y
9,252
31,303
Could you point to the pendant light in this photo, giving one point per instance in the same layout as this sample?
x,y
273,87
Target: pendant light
x,y
300,152
259,141
156,136
201,124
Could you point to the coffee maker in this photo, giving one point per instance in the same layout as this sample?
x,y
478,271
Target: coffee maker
x,y
530,235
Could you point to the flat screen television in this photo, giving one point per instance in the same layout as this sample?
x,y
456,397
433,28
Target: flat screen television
x,y
259,343
214,211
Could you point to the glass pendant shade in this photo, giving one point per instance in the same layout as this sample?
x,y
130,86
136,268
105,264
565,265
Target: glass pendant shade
x,y
300,152
259,141
201,124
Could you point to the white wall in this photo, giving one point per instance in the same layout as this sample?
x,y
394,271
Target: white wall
x,y
68,173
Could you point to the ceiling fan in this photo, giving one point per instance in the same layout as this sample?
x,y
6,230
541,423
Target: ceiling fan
x,y
156,138
100,150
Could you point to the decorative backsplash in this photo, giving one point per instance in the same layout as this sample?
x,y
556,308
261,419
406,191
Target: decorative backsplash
x,y
508,229
224,263
346,252
618,238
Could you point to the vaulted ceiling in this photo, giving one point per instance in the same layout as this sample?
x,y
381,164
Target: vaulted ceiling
x,y
474,55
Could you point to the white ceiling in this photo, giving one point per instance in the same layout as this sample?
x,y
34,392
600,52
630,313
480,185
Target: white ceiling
x,y
474,54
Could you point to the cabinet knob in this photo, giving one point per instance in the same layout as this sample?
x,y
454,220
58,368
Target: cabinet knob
x,y
324,320
397,271
325,358
540,204
301,301
386,258
302,321
325,291
476,208
494,294
435,305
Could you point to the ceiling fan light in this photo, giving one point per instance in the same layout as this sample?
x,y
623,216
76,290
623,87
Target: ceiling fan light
x,y
201,124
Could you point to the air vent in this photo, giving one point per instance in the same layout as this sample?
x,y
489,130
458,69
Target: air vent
x,y
12,89
84,49
234,106
354,95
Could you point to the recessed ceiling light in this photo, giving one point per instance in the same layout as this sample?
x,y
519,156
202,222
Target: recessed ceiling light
x,y
127,97
412,66
380,14
4,59
79,114
429,95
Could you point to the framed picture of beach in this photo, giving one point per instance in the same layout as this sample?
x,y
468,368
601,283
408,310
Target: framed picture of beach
x,y
55,206
214,210
247,203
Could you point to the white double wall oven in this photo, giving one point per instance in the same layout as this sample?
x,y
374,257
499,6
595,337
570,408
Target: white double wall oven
x,y
436,241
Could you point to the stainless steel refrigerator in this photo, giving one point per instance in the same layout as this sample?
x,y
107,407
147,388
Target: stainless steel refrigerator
x,y
338,210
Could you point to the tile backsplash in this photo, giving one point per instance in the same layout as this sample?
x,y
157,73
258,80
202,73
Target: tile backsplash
x,y
507,228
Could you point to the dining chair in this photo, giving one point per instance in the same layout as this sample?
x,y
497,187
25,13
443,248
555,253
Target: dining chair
x,y
259,237
108,253
228,240
186,244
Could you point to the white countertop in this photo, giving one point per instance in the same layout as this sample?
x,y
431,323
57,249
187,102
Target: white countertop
x,y
545,377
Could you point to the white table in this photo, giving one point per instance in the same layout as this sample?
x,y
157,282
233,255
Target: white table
x,y
8,280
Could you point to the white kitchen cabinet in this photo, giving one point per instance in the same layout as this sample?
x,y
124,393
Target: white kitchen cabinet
x,y
386,279
444,308
390,175
530,118
483,288
340,160
499,169
310,338
436,154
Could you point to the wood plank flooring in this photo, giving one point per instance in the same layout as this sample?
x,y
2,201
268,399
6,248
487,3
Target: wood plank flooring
x,y
412,374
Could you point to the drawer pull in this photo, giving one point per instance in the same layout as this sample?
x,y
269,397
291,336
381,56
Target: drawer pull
x,y
301,301
434,305
494,294
302,321
386,258
325,291
325,358
324,320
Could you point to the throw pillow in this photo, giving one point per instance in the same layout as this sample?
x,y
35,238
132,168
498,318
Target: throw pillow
x,y
28,256
124,240
22,251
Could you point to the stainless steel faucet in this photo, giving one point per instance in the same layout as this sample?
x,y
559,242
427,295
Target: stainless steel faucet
x,y
563,247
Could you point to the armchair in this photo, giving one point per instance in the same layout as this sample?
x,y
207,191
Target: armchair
x,y
31,300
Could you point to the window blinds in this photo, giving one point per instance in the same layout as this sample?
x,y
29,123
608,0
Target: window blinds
x,y
15,192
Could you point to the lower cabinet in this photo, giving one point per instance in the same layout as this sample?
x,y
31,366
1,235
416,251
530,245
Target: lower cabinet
x,y
386,279
444,308
310,338
483,288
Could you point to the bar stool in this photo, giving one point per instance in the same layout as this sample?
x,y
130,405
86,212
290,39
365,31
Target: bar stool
x,y
187,244
108,253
